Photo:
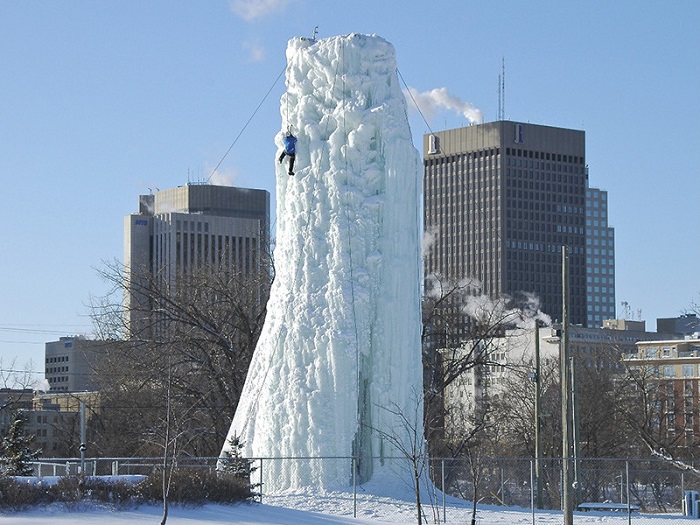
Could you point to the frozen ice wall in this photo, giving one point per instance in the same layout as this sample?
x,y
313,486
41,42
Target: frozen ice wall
x,y
337,370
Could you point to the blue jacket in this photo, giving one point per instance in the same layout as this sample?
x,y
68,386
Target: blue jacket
x,y
290,142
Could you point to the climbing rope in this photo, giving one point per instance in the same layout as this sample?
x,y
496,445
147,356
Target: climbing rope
x,y
246,124
414,101
350,237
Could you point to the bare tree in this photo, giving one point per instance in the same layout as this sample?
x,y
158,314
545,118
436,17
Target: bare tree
x,y
202,327
514,425
461,329
16,377
660,416
408,440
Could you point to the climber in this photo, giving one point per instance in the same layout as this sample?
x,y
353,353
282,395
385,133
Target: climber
x,y
290,142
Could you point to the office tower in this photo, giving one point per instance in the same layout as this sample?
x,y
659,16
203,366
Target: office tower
x,y
184,229
600,259
500,201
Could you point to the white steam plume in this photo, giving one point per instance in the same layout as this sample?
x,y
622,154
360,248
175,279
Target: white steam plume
x,y
428,240
429,102
223,177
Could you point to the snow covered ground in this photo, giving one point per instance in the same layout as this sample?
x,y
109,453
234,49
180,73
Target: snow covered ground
x,y
315,509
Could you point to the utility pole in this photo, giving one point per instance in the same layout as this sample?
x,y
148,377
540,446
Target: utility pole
x,y
567,500
538,393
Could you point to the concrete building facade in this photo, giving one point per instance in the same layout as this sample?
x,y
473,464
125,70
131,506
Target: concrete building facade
x,y
69,363
180,229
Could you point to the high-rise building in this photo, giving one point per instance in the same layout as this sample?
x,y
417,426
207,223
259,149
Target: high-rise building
x,y
501,200
600,259
179,230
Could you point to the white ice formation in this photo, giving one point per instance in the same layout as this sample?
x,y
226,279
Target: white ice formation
x,y
337,369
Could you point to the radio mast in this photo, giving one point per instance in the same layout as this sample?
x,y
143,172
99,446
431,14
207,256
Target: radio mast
x,y
502,91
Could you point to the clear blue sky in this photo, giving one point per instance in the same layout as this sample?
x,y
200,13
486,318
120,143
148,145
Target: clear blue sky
x,y
100,101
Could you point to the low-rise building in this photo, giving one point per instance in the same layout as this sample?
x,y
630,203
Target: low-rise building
x,y
52,418
687,324
596,348
675,365
70,363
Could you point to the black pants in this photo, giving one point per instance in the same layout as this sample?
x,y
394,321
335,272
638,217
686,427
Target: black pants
x,y
291,161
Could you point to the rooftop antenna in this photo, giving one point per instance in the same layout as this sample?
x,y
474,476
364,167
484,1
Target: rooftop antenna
x,y
502,91
313,33
626,314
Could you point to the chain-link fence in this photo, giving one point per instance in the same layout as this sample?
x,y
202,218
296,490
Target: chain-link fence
x,y
649,486
631,489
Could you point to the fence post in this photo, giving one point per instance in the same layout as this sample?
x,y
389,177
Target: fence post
x,y
503,488
354,488
261,480
629,507
532,489
442,481
683,493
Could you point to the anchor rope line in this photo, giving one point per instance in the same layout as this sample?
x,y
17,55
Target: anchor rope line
x,y
414,101
350,238
246,124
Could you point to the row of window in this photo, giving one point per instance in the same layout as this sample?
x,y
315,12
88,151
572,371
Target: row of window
x,y
513,175
599,289
545,225
600,299
540,247
670,371
607,232
594,241
552,277
557,157
599,195
595,213
535,199
599,251
59,359
461,157
189,226
604,280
